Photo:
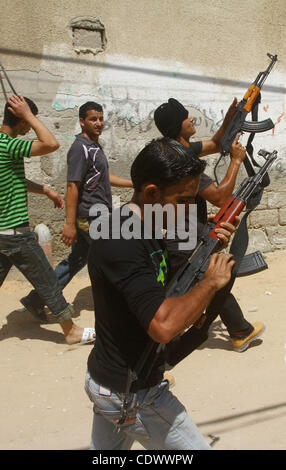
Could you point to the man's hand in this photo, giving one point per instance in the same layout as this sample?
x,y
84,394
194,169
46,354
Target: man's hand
x,y
219,270
237,151
57,199
19,107
225,231
69,234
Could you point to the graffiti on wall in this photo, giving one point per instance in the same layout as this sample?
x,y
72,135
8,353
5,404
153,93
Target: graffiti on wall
x,y
129,122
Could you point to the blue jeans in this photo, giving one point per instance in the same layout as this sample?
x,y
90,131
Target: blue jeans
x,y
158,421
25,253
67,268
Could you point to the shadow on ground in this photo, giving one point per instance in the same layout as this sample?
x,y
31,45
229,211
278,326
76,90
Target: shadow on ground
x,y
21,324
220,339
83,301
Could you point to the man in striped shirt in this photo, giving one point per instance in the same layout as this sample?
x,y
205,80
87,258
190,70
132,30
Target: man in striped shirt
x,y
18,245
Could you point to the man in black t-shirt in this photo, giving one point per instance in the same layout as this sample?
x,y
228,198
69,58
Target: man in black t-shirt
x,y
128,277
173,120
89,182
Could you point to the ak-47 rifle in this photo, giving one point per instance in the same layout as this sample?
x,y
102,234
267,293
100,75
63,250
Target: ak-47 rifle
x,y
194,269
249,103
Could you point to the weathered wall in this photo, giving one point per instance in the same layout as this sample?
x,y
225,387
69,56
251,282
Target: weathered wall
x,y
202,52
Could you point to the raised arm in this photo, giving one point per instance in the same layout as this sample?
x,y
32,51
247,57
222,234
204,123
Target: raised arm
x,y
46,142
213,145
218,194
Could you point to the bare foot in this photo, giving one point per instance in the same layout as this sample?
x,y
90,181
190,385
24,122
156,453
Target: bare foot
x,y
75,334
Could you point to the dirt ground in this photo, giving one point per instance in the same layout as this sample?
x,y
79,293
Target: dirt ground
x,y
238,400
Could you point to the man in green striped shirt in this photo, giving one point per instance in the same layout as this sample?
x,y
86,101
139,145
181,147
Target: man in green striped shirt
x,y
18,245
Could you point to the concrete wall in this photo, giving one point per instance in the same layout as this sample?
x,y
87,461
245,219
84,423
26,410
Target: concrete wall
x,y
132,56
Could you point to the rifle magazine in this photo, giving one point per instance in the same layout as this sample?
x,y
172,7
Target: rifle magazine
x,y
251,264
257,126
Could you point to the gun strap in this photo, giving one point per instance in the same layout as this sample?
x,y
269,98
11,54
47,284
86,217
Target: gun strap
x,y
239,243
249,147
152,351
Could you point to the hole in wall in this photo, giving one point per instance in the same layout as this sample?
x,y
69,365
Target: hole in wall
x,y
88,35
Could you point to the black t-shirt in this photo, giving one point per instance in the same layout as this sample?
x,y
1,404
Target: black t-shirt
x,y
128,279
88,164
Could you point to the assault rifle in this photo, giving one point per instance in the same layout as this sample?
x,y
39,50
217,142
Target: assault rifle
x,y
249,103
194,269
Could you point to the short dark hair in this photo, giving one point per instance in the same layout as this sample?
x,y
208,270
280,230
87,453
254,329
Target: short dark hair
x,y
11,120
89,105
164,162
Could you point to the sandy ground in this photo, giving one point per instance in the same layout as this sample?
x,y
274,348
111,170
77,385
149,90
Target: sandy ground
x,y
237,399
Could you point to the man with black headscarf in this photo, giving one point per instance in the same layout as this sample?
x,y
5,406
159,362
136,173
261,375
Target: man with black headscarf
x,y
173,120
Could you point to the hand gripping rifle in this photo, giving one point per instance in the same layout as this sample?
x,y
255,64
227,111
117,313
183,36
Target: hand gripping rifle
x,y
248,104
247,196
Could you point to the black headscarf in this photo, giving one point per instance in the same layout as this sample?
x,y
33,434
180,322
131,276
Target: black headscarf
x,y
169,116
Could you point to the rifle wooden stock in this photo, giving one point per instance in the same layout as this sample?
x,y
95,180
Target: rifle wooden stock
x,y
251,96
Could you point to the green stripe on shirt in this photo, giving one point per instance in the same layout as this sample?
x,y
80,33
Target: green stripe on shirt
x,y
13,186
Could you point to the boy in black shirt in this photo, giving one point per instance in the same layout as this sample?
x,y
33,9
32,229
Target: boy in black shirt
x,y
128,278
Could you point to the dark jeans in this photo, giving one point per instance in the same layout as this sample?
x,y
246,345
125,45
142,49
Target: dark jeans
x,y
25,253
67,268
226,306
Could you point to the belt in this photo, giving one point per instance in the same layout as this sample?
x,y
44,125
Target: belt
x,y
15,231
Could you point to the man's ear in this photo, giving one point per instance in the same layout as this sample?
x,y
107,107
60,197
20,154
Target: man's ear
x,y
81,121
22,122
151,193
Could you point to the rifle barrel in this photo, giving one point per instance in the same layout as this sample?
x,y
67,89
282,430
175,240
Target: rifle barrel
x,y
267,71
248,185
